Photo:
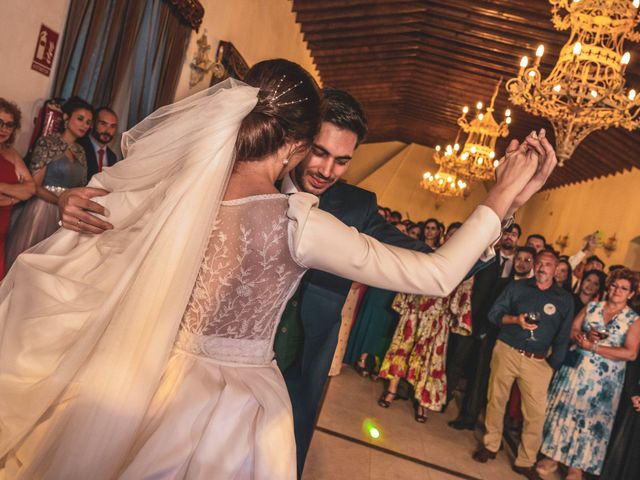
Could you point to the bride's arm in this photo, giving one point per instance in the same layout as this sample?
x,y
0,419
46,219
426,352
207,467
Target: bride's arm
x,y
319,240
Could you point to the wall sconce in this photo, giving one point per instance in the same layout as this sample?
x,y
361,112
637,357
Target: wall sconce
x,y
610,245
562,242
201,64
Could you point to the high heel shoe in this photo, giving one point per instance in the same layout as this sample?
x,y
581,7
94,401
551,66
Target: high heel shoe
x,y
420,415
383,402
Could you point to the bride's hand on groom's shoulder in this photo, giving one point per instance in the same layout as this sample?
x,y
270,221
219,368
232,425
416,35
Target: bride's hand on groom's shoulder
x,y
78,212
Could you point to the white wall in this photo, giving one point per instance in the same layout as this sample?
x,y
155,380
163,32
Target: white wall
x,y
259,29
20,22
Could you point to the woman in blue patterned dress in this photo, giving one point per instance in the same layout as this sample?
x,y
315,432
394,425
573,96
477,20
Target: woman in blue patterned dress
x,y
583,398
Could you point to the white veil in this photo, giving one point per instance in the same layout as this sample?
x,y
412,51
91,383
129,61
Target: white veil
x,y
89,321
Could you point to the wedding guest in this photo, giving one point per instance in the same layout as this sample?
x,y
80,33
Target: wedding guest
x,y
414,231
432,232
400,226
563,275
622,461
534,316
395,216
584,396
16,184
536,241
471,355
418,349
591,263
96,145
591,288
57,163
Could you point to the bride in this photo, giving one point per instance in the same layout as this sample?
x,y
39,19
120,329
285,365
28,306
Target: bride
x,y
145,352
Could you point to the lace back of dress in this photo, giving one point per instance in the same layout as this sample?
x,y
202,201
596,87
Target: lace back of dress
x,y
245,279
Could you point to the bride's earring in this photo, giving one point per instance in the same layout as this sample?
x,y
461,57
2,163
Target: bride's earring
x,y
285,162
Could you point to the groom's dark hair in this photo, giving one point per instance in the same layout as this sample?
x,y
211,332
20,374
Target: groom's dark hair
x,y
344,111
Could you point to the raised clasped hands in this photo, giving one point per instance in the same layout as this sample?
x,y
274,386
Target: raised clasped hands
x,y
522,172
78,212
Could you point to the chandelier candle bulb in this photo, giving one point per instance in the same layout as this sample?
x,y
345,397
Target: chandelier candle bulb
x,y
507,112
636,3
524,61
626,57
577,48
465,109
632,94
479,105
456,147
438,148
539,54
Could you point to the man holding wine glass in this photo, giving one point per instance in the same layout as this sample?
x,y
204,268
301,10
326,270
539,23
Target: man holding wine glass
x,y
534,317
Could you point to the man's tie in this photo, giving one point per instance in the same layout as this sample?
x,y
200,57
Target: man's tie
x,y
100,158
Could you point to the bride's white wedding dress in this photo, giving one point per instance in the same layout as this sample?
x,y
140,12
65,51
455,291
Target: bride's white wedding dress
x,y
146,353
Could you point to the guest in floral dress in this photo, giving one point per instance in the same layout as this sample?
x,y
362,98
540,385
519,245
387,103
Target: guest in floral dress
x,y
419,347
583,399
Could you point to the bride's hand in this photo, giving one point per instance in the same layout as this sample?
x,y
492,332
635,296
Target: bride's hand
x,y
514,172
547,162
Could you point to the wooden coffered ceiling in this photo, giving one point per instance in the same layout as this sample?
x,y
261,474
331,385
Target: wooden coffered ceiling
x,y
414,64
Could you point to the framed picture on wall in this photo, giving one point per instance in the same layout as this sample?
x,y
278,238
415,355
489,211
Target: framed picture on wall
x,y
229,63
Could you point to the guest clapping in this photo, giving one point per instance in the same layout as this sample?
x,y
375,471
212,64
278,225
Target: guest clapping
x,y
16,183
584,396
57,163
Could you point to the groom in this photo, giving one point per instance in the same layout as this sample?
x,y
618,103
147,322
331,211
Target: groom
x,y
307,336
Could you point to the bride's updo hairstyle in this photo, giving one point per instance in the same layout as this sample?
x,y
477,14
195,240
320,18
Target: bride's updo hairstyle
x,y
288,109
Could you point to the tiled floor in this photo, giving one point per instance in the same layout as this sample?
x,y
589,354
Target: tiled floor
x,y
434,448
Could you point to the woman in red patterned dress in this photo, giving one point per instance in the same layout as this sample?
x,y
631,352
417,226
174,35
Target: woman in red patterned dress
x,y
16,183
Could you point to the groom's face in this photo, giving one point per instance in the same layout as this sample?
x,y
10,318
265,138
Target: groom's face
x,y
327,160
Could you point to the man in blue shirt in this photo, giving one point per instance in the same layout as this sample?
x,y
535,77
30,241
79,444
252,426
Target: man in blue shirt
x,y
528,353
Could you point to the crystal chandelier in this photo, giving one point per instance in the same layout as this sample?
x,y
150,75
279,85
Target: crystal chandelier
x,y
585,90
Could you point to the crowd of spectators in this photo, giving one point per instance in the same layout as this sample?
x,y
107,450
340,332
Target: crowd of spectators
x,y
541,337
64,155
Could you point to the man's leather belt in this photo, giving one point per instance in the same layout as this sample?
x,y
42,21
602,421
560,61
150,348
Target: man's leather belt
x,y
537,356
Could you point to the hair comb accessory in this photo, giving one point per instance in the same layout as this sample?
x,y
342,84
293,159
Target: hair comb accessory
x,y
271,100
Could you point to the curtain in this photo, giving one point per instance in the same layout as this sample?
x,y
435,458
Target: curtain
x,y
109,42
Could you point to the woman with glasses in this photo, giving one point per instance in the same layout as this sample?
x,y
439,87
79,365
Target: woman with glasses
x,y
57,163
16,183
583,398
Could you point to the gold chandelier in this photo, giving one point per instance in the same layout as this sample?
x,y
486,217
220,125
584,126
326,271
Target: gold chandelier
x,y
585,90
477,160
445,183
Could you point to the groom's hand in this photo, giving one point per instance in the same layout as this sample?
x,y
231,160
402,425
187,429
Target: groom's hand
x,y
77,210
537,146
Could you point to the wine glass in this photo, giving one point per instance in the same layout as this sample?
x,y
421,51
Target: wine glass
x,y
532,318
601,332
